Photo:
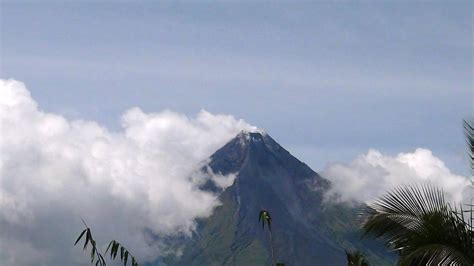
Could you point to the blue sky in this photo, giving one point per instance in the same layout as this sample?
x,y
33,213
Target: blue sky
x,y
326,80
344,86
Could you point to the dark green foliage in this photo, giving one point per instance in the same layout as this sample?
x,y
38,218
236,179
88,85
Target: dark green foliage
x,y
95,255
356,258
418,223
124,253
113,246
469,132
264,217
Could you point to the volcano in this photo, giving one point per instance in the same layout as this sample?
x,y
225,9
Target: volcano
x,y
306,230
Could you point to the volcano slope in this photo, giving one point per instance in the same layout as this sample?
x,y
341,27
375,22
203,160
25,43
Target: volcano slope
x,y
306,230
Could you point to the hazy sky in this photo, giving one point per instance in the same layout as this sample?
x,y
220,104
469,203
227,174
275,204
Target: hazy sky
x,y
326,80
371,95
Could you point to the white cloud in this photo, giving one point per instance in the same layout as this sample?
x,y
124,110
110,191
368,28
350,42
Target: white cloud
x,y
207,174
55,171
371,175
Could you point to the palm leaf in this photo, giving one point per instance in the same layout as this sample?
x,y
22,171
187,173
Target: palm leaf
x,y
469,132
356,258
418,223
113,246
265,218
80,236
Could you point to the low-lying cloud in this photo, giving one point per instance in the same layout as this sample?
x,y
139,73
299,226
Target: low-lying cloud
x,y
371,175
143,178
55,171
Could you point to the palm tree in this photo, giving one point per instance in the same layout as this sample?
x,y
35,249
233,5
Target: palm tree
x,y
265,217
417,222
356,258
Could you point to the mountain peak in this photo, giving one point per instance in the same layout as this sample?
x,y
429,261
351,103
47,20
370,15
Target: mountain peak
x,y
247,137
249,149
268,177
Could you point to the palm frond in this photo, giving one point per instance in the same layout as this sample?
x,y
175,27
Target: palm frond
x,y
265,218
411,219
356,258
435,254
469,132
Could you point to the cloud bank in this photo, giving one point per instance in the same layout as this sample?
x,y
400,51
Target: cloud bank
x,y
143,178
55,171
371,175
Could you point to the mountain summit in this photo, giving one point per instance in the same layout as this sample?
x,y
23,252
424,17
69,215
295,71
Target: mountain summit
x,y
252,151
305,230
